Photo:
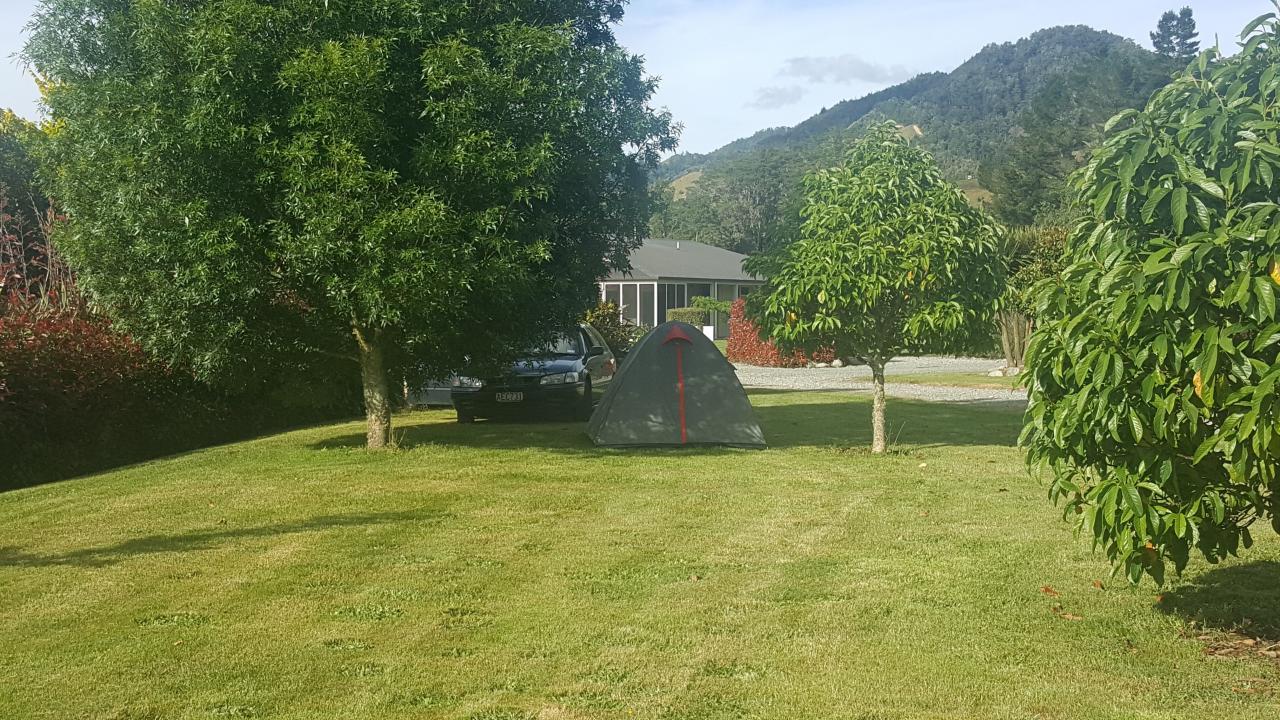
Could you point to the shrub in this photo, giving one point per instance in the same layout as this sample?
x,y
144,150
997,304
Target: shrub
x,y
76,397
747,347
712,305
619,334
1155,367
696,317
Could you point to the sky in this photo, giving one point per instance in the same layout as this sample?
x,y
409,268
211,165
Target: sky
x,y
731,67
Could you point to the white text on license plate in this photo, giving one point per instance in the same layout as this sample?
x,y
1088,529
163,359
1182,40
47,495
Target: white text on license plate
x,y
509,397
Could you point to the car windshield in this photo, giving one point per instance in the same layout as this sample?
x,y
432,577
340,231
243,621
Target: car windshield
x,y
562,344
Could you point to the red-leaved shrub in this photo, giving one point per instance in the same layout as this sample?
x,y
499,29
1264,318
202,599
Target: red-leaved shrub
x,y
76,397
746,347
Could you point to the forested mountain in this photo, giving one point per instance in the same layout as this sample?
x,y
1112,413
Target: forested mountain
x,y
1038,99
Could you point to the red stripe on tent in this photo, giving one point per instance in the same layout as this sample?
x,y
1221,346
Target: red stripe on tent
x,y
684,430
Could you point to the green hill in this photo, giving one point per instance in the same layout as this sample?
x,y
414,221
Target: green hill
x,y
966,114
1007,127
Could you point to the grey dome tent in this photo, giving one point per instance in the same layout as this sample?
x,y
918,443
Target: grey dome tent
x,y
673,389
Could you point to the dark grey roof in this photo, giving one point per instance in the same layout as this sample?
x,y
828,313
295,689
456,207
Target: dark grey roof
x,y
661,259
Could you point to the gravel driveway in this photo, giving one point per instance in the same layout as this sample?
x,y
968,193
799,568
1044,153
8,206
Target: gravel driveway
x,y
858,378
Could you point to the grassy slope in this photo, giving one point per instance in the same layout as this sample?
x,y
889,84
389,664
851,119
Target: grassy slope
x,y
509,571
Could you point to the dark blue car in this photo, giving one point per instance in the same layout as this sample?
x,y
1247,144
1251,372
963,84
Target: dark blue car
x,y
568,377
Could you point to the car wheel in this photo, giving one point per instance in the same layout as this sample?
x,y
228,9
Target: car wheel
x,y
466,417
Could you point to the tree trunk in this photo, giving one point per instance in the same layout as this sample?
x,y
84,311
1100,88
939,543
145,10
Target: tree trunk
x,y
377,395
1015,331
878,442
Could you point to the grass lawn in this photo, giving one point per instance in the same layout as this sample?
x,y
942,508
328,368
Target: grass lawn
x,y
501,571
956,379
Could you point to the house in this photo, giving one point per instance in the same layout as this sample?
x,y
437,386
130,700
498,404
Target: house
x,y
669,274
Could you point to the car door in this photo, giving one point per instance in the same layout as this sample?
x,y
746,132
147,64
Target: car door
x,y
600,368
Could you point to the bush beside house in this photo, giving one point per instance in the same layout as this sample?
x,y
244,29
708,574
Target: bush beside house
x,y
77,397
746,347
696,317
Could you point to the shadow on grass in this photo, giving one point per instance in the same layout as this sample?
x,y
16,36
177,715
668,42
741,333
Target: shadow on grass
x,y
1241,598
205,539
788,418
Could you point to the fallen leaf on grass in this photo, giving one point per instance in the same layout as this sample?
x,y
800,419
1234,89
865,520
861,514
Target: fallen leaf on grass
x,y
1057,610
1048,590
1098,584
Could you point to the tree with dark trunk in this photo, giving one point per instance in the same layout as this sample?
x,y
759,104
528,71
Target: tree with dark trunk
x,y
892,259
1175,35
407,184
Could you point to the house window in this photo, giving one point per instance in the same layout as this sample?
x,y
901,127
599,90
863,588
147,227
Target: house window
x,y
613,294
630,306
724,291
647,307
699,290
670,295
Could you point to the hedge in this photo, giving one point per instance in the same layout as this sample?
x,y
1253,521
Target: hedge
x,y
76,397
694,316
746,347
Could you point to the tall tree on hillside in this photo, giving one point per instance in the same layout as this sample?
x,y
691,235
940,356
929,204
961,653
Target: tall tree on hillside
x,y
1175,35
891,259
428,180
1028,176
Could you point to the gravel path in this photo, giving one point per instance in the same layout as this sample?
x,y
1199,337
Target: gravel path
x,y
858,378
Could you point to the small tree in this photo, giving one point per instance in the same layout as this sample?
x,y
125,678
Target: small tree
x,y
1175,35
891,259
1155,366
407,184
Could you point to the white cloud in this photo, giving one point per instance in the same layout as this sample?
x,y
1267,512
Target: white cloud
x,y
843,69
773,97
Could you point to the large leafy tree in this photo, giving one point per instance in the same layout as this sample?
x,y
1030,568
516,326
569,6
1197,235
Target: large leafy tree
x,y
1154,369
404,182
1175,35
748,205
891,259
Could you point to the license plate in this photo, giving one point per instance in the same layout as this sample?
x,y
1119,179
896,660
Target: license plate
x,y
509,397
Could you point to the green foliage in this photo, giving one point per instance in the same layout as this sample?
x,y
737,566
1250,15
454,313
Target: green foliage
x,y
1175,35
892,259
712,305
440,179
692,315
1032,255
607,320
18,190
748,205
1028,174
1154,368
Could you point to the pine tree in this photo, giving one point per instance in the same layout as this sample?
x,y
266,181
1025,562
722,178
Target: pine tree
x,y
1176,35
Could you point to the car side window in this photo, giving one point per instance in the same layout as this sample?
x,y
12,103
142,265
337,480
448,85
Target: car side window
x,y
595,338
